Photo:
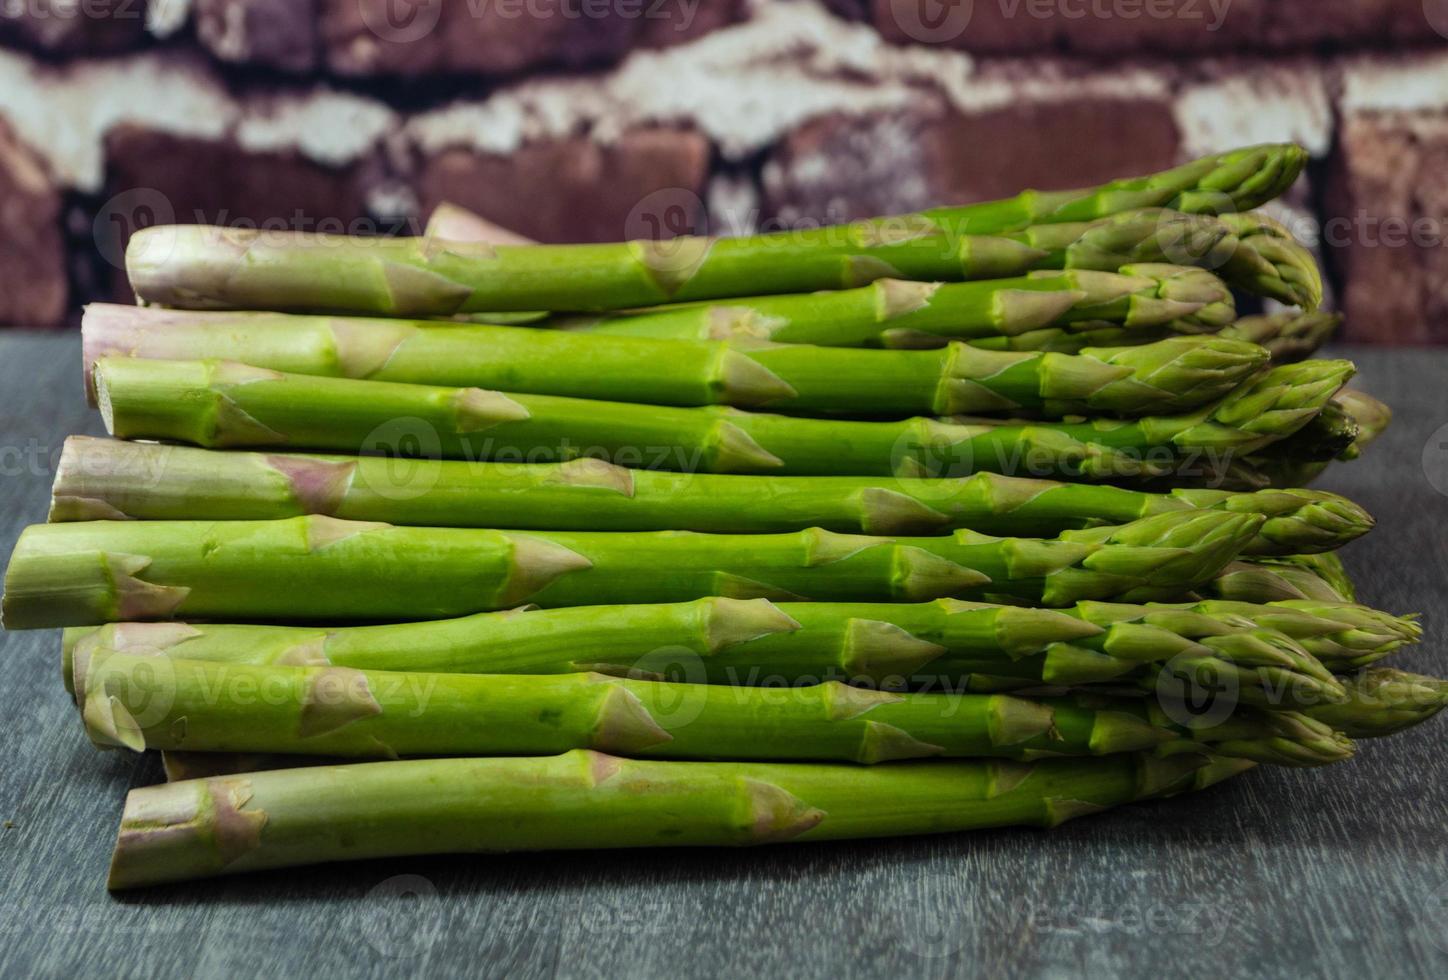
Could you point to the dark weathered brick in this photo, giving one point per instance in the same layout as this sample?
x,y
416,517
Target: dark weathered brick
x,y
155,177
365,37
1386,226
648,183
61,27
32,255
1114,27
840,168
268,33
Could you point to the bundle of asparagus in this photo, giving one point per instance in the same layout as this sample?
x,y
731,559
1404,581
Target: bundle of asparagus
x,y
694,555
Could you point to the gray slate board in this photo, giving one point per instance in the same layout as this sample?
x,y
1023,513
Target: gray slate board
x,y
1339,873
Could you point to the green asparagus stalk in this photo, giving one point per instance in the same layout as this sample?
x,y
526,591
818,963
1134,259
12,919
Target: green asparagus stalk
x,y
198,267
1342,635
1253,253
179,766
141,703
1288,336
1331,434
1372,417
1263,258
317,567
1345,427
179,831
1355,414
1136,299
223,404
892,646
1173,375
1310,577
1382,702
105,479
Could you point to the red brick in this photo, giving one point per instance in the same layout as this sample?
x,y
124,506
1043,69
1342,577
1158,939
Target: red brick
x,y
841,168
268,33
155,178
646,184
32,253
93,27
1386,222
1197,26
501,37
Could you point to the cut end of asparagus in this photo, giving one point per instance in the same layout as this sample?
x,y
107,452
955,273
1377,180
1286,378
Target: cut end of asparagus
x,y
185,265
184,830
108,329
86,462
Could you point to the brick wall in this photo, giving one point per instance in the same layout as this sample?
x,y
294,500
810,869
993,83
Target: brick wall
x,y
602,119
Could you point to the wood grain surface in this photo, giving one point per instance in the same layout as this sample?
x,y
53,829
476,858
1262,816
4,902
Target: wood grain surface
x,y
1337,873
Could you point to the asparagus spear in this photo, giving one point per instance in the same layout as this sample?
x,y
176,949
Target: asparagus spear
x,y
178,831
102,479
1172,375
1372,417
1311,577
1253,253
1342,635
1356,415
142,703
1288,336
1134,299
319,567
1383,701
198,267
754,642
224,404
1264,258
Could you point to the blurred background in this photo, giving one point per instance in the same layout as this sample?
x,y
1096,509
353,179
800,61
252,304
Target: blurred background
x,y
586,120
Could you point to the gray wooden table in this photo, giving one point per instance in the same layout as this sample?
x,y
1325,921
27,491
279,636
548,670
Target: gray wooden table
x,y
1340,872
